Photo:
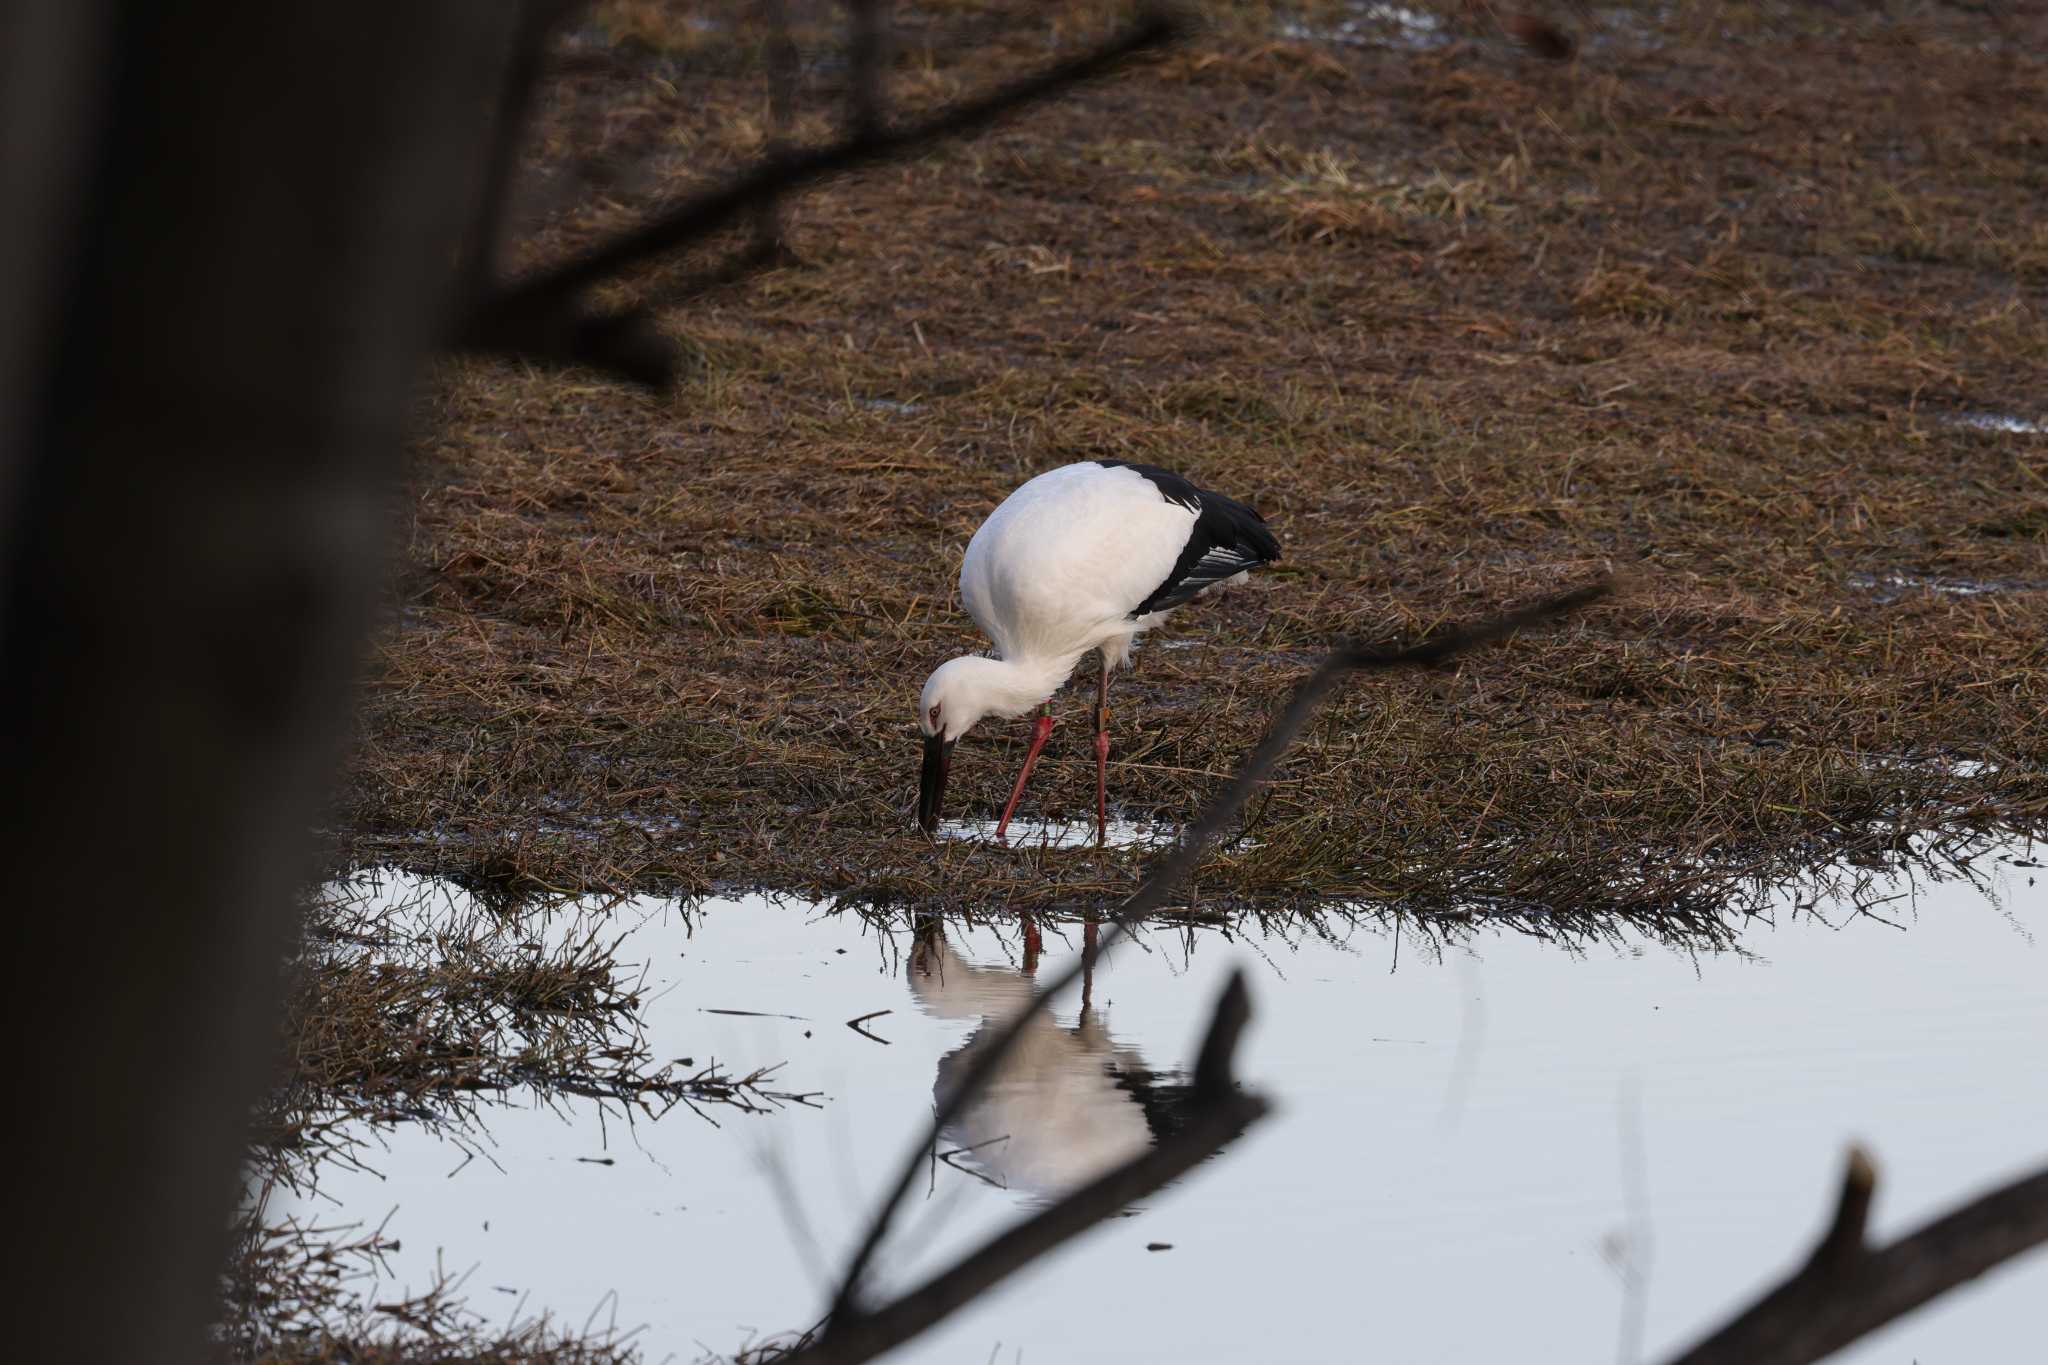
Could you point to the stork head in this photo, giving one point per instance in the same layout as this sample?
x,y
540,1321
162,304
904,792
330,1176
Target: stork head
x,y
959,693
952,702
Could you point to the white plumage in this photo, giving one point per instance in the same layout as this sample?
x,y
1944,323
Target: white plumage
x,y
1066,1104
1080,558
1056,570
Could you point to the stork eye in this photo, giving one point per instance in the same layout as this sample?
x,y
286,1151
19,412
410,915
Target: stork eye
x,y
933,715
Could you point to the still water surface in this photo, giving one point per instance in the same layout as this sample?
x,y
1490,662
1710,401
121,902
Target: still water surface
x,y
1478,1149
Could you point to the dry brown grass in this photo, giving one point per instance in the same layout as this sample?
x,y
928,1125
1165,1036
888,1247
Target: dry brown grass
x,y
1465,323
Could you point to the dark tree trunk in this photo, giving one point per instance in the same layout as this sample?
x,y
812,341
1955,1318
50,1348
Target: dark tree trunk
x,y
226,253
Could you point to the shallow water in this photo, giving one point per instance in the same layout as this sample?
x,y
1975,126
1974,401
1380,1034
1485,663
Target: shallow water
x,y
2000,421
1372,24
1024,833
1951,587
895,406
1476,1146
1891,586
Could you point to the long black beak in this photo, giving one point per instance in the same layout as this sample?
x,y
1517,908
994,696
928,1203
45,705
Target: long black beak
x,y
931,787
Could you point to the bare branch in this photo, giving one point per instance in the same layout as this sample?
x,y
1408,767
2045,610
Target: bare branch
x,y
759,254
1219,1046
1845,1290
1844,1240
866,62
694,219
538,20
626,343
782,60
544,317
1175,867
1221,1115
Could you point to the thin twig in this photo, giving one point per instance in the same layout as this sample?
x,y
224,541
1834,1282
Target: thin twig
x,y
782,59
855,1025
759,254
539,19
625,344
866,63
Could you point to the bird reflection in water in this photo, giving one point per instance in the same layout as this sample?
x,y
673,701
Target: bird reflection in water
x,y
1068,1103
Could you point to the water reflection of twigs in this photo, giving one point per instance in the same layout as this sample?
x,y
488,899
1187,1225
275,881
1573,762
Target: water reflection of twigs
x,y
983,1176
856,1023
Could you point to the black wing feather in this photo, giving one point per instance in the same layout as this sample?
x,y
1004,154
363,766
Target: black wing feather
x,y
1228,538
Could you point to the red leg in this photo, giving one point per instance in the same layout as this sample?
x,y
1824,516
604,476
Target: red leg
x,y
1089,940
1038,734
1102,757
1033,944
1101,787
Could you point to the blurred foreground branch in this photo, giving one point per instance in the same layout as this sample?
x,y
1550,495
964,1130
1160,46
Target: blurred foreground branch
x,y
853,1332
546,317
1220,1113
1846,1289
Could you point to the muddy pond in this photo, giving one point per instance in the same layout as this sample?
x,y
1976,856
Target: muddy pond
x,y
1491,1147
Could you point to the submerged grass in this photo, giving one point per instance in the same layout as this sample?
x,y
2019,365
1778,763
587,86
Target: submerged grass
x,y
419,1004
414,1003
293,1300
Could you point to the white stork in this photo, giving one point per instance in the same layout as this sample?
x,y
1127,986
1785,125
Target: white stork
x,y
1066,1103
1081,558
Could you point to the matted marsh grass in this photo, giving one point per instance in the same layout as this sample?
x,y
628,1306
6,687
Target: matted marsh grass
x,y
1465,324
